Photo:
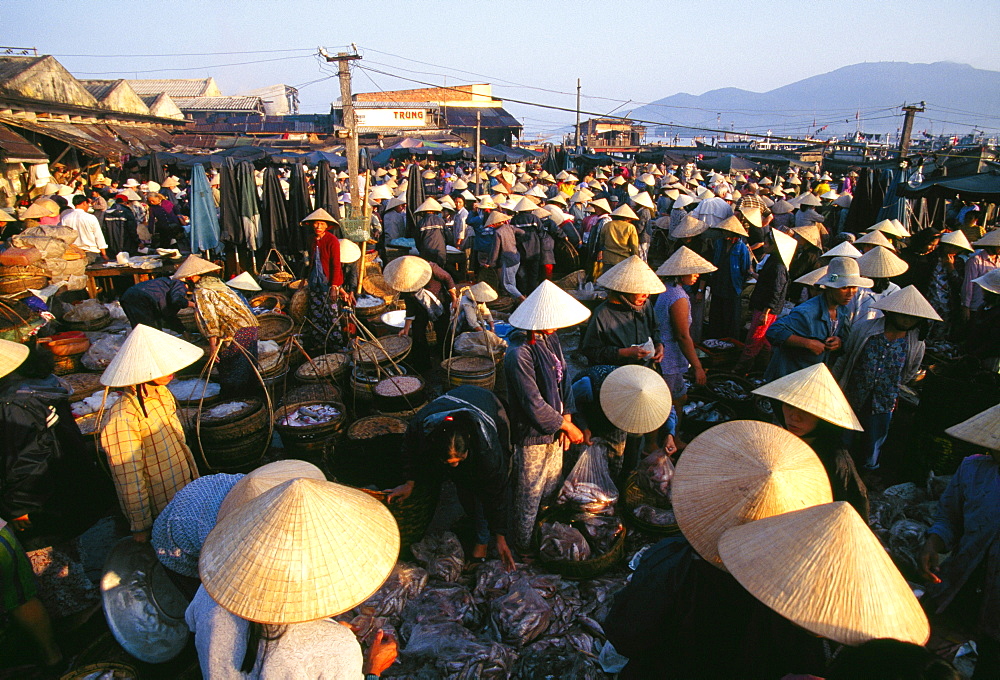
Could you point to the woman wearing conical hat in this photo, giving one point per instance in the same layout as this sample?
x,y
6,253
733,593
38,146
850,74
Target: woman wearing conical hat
x,y
732,258
879,356
620,237
940,281
143,437
982,261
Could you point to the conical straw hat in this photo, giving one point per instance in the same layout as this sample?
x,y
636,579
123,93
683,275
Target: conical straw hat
x,y
752,215
495,218
956,239
43,207
636,399
785,245
843,249
265,478
982,429
683,201
548,307
813,390
407,274
302,551
624,212
810,233
148,354
194,266
812,278
889,227
782,207
733,225
741,471
632,275
6,216
643,199
808,199
349,251
824,569
685,261
991,238
430,205
320,215
907,301
244,281
989,281
900,228
447,202
482,292
843,201
12,355
881,263
688,227
876,238
525,205
601,203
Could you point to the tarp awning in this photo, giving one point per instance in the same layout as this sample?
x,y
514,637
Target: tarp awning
x,y
16,149
465,117
728,164
982,187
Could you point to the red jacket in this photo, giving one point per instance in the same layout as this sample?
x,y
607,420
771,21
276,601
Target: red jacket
x,y
329,256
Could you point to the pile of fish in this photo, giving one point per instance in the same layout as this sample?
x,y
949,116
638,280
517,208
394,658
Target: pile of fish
x,y
225,410
655,473
729,389
561,542
587,496
901,515
490,623
193,389
92,404
311,415
705,411
944,349
718,344
658,516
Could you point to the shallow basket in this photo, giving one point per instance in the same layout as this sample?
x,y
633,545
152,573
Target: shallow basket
x,y
635,496
82,385
582,569
65,344
324,392
291,433
324,368
414,514
193,403
275,326
9,285
95,324
393,347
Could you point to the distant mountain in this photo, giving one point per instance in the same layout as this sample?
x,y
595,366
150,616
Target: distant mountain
x,y
957,97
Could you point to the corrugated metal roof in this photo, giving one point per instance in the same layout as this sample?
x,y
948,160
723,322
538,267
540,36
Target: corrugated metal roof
x,y
220,104
461,116
176,87
99,88
12,66
391,105
16,149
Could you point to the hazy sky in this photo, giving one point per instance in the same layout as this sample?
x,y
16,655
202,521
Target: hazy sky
x,y
621,49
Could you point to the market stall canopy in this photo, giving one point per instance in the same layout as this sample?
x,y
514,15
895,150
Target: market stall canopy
x,y
981,187
254,154
660,156
16,149
728,163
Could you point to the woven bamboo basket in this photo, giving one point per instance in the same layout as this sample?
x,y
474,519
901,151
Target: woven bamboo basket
x,y
274,302
582,569
414,514
275,326
82,385
298,307
95,324
64,365
364,377
22,270
65,344
324,368
312,443
398,393
106,670
370,311
374,284
572,281
394,347
313,392
477,371
11,285
635,496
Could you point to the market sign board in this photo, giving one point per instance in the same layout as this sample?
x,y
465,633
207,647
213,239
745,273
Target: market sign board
x,y
389,118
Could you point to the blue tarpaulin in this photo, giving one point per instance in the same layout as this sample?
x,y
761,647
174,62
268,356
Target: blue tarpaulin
x,y
204,218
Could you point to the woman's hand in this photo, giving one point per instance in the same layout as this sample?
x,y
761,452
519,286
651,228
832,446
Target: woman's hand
x,y
669,445
381,654
700,378
401,492
506,556
636,352
658,354
930,558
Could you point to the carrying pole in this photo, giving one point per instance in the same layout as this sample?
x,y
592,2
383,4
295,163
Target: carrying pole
x,y
478,143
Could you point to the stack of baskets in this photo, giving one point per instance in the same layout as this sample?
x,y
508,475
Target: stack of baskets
x,y
313,443
236,441
18,278
275,326
478,371
67,349
326,368
400,395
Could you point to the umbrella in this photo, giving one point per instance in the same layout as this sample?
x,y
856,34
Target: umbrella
x,y
273,221
297,207
204,218
326,191
229,213
712,211
414,197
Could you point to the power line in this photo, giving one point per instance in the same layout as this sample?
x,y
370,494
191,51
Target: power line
x,y
192,68
182,54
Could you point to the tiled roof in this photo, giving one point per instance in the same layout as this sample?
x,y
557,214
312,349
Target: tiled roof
x,y
175,87
220,104
99,88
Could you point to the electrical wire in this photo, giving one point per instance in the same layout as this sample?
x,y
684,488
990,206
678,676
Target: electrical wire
x,y
193,68
182,54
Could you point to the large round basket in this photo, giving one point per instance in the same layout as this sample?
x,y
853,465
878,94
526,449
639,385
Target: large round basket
x,y
572,281
582,569
364,377
235,441
196,398
67,343
399,393
366,452
635,496
106,670
503,303
388,348
95,324
188,319
312,443
324,368
275,326
733,390
414,514
267,283
313,392
82,385
272,302
369,307
478,371
374,284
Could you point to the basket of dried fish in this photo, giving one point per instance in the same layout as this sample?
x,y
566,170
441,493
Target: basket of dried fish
x,y
647,511
309,430
369,306
323,368
277,281
398,393
729,387
389,347
579,545
699,415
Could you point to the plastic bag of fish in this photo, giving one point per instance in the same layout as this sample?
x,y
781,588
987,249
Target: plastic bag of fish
x,y
705,411
311,415
441,555
589,486
658,516
440,603
600,531
561,542
447,650
656,471
521,615
729,389
404,584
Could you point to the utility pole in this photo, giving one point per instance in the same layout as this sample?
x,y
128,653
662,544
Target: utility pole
x,y
904,140
479,142
578,113
350,121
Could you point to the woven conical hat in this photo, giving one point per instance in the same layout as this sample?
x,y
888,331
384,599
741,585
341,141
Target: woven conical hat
x,y
808,199
407,274
601,203
785,245
907,301
782,208
643,199
812,278
813,390
430,205
12,355
195,266
497,217
43,207
635,399
752,215
6,216
733,225
624,212
810,233
982,429
685,261
989,281
320,215
889,227
631,275
525,205
683,201
302,551
482,292
688,227
244,281
876,238
265,478
957,239
824,569
447,202
548,307
881,263
992,239
349,251
843,249
741,471
148,354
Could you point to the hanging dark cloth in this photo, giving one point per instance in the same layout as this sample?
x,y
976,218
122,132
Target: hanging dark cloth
x,y
155,169
326,190
230,225
297,207
869,195
273,221
414,197
248,205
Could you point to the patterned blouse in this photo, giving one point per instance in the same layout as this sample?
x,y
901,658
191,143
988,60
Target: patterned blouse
x,y
877,374
221,310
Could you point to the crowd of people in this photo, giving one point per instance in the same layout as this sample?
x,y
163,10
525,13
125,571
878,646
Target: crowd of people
x,y
774,516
